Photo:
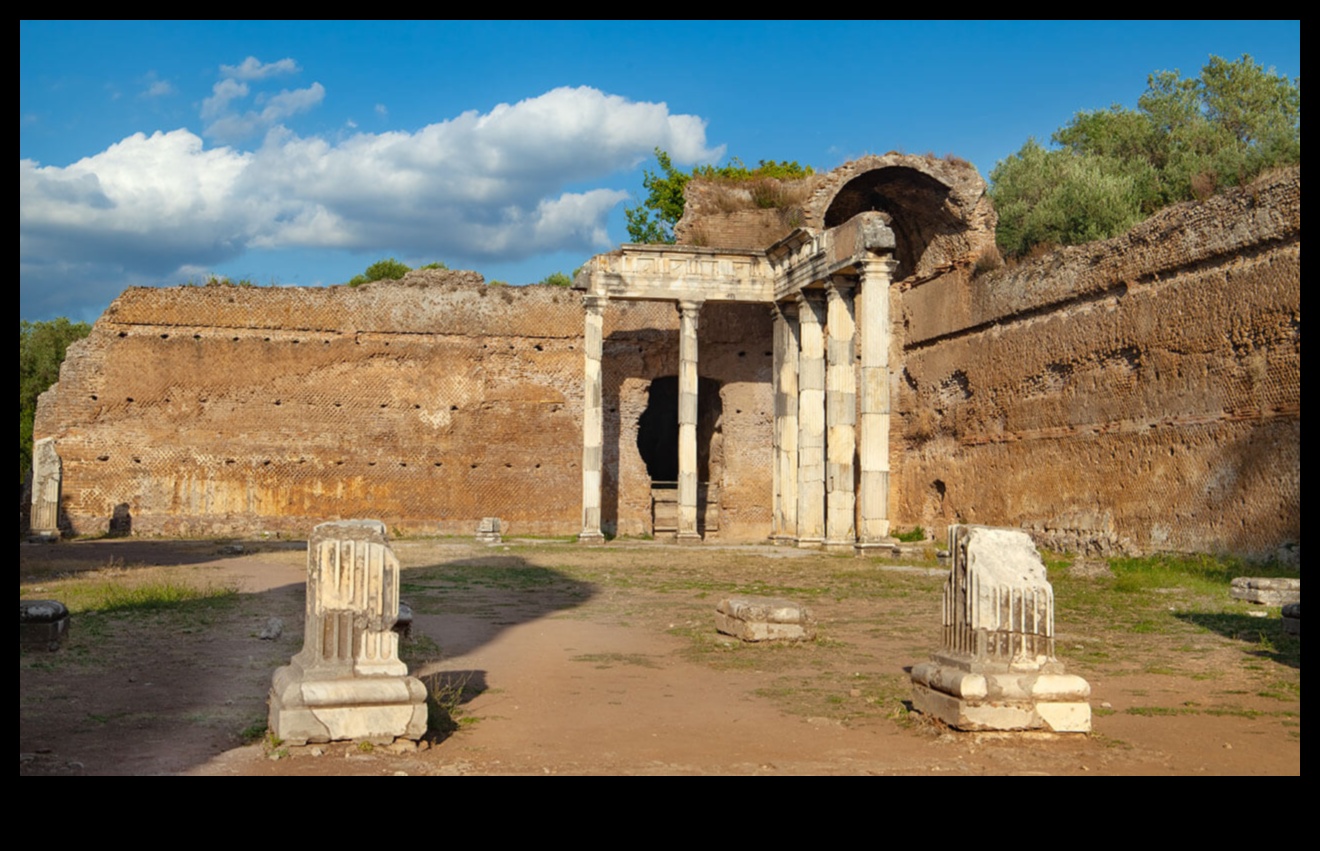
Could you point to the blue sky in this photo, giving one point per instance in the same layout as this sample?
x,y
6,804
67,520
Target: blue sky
x,y
299,153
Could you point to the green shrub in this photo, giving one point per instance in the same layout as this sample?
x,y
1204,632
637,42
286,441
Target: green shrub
x,y
384,270
557,279
1111,168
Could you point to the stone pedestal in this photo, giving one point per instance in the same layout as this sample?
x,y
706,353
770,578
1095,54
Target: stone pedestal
x,y
996,669
42,623
348,681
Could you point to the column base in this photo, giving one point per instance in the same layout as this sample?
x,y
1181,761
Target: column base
x,y
783,540
591,538
810,543
878,547
687,538
839,546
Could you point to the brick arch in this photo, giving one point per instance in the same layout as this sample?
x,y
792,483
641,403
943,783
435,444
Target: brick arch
x,y
939,209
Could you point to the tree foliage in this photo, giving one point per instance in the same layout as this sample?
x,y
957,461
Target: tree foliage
x,y
1111,168
41,350
653,221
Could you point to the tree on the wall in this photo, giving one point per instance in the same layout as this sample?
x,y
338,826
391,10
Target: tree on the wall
x,y
1111,168
653,220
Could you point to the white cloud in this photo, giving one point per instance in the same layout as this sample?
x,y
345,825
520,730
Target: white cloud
x,y
222,93
252,69
232,127
480,186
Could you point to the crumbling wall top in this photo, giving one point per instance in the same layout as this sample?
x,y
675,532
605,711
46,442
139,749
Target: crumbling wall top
x,y
938,209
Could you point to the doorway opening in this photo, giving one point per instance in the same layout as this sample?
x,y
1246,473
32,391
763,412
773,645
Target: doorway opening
x,y
657,443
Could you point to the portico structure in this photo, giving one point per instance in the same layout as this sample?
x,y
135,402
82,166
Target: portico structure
x,y
828,293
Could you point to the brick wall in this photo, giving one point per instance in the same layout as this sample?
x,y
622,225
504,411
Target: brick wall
x,y
238,410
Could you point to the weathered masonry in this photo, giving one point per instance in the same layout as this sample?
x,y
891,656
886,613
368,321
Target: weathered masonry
x,y
819,372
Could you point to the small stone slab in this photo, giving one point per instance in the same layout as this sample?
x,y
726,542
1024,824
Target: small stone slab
x,y
764,619
42,623
1268,591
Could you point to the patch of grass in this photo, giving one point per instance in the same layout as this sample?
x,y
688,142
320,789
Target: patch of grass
x,y
119,589
1199,573
153,596
609,660
911,536
254,732
1155,711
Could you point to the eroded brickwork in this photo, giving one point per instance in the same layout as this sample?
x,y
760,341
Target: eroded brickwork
x,y
1137,394
235,410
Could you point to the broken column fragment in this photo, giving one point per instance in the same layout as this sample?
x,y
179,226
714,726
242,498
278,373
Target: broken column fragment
x,y
348,681
996,669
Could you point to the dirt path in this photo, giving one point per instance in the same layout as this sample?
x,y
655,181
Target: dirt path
x,y
602,661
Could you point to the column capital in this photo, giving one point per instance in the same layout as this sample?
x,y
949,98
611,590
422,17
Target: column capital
x,y
786,309
836,285
594,303
874,266
808,299
689,306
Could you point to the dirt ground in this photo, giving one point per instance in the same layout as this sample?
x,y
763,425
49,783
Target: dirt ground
x,y
550,658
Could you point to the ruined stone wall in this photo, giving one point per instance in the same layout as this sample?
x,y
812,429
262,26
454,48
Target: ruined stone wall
x,y
1137,394
237,410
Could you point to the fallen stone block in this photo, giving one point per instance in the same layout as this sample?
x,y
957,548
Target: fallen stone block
x,y
764,619
42,623
1268,591
1292,619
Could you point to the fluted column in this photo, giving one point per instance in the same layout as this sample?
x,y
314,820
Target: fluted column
x,y
784,519
687,421
840,416
593,423
811,422
873,319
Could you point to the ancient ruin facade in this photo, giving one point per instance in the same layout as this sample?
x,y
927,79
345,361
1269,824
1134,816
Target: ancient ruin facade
x,y
1137,394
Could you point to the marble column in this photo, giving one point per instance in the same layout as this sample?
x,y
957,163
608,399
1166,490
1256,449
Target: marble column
x,y
873,319
687,421
785,367
811,422
593,422
840,416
